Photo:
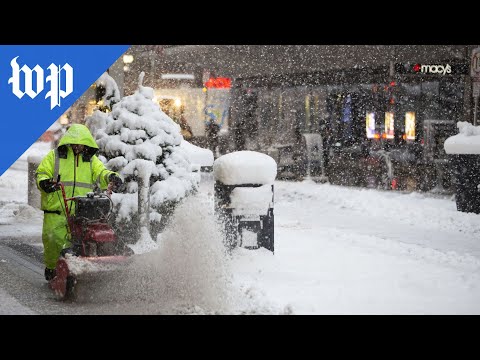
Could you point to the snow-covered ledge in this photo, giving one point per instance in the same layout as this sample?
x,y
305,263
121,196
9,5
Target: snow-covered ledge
x,y
466,142
245,167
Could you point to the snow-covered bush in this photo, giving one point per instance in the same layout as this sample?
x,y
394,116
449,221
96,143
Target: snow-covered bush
x,y
138,140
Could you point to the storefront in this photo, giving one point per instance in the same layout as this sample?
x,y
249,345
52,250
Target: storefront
x,y
358,112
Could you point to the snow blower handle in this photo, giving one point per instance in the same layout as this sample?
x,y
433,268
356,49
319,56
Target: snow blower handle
x,y
65,199
58,185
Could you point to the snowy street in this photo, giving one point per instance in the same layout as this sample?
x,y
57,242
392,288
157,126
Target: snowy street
x,y
358,251
338,250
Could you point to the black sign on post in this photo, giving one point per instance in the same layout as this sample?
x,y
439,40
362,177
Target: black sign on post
x,y
475,74
475,64
435,69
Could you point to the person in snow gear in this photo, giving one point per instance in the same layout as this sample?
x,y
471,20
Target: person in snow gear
x,y
81,172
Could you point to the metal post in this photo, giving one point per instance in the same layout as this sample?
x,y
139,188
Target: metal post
x,y
475,112
152,63
143,203
205,106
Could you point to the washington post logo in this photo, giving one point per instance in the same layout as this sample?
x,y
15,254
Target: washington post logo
x,y
35,81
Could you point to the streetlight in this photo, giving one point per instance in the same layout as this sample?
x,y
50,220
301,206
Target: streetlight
x,y
64,119
127,59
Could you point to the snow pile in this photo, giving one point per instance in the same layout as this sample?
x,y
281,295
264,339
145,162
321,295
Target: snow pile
x,y
466,142
19,213
197,155
27,213
13,187
139,141
245,167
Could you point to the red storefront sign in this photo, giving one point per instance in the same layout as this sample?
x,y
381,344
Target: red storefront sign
x,y
219,83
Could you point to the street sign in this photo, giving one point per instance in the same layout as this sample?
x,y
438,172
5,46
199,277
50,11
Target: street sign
x,y
475,64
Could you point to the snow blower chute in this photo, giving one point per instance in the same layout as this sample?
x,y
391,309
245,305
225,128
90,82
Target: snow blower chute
x,y
95,247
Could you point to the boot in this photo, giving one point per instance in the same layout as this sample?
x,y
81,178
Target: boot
x,y
49,274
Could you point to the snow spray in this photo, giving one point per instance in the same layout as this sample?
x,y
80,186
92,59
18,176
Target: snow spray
x,y
188,273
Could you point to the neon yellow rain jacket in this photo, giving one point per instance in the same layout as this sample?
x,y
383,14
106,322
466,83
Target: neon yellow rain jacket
x,y
79,174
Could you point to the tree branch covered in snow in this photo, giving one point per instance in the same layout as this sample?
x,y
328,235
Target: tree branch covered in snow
x,y
112,92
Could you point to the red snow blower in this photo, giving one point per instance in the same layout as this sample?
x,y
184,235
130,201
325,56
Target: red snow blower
x,y
95,247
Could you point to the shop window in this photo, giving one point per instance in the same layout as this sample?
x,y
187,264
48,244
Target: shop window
x,y
308,115
389,125
410,125
370,125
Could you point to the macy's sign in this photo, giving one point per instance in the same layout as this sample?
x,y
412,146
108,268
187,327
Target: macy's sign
x,y
433,69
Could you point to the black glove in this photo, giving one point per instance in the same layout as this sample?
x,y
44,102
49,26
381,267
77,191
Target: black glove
x,y
49,186
117,182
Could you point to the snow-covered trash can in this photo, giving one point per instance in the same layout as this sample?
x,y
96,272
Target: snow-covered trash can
x,y
244,194
463,151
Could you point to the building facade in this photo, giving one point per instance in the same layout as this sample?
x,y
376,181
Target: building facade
x,y
371,106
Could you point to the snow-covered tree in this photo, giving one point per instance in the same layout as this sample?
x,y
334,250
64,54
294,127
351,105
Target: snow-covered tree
x,y
138,140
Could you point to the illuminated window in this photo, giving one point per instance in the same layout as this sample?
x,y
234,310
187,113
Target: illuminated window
x,y
389,122
370,125
410,125
307,113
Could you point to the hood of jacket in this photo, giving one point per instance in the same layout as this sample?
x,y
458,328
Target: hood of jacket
x,y
78,134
